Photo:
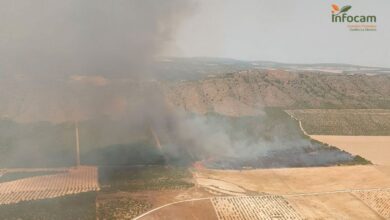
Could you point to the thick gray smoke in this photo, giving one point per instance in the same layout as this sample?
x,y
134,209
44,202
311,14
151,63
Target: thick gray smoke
x,y
92,61
67,60
89,37
62,61
271,139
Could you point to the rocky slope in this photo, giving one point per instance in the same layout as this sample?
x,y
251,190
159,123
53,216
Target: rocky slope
x,y
246,92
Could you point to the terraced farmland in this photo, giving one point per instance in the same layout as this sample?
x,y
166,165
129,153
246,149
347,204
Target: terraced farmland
x,y
253,207
82,179
378,200
344,121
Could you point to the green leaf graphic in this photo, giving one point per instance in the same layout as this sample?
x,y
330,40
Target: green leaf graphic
x,y
345,9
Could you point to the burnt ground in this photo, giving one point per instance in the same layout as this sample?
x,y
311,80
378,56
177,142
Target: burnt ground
x,y
274,140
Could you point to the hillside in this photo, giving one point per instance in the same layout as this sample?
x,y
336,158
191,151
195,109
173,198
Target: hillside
x,y
225,86
246,92
344,122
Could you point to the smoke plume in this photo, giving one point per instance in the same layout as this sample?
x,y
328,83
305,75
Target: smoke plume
x,y
67,59
92,61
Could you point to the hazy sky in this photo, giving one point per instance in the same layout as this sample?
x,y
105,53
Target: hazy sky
x,y
297,31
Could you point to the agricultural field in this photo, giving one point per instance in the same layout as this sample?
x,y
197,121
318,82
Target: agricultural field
x,y
337,205
107,112
115,179
363,122
127,191
80,206
10,176
344,192
287,181
374,148
193,209
219,187
287,193
121,208
254,207
74,181
378,200
364,133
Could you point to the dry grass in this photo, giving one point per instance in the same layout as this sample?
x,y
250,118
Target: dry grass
x,y
193,210
332,206
374,148
303,180
220,187
378,200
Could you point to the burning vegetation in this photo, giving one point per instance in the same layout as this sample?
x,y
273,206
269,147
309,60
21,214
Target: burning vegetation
x,y
269,140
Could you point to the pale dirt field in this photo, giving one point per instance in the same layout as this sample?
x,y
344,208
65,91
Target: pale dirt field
x,y
303,180
373,148
219,186
332,206
162,197
194,210
344,192
318,192
384,169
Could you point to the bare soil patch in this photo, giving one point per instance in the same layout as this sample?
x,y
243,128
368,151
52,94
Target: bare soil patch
x,y
192,210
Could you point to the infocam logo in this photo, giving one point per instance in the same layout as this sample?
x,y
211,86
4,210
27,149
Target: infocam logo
x,y
340,15
359,22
